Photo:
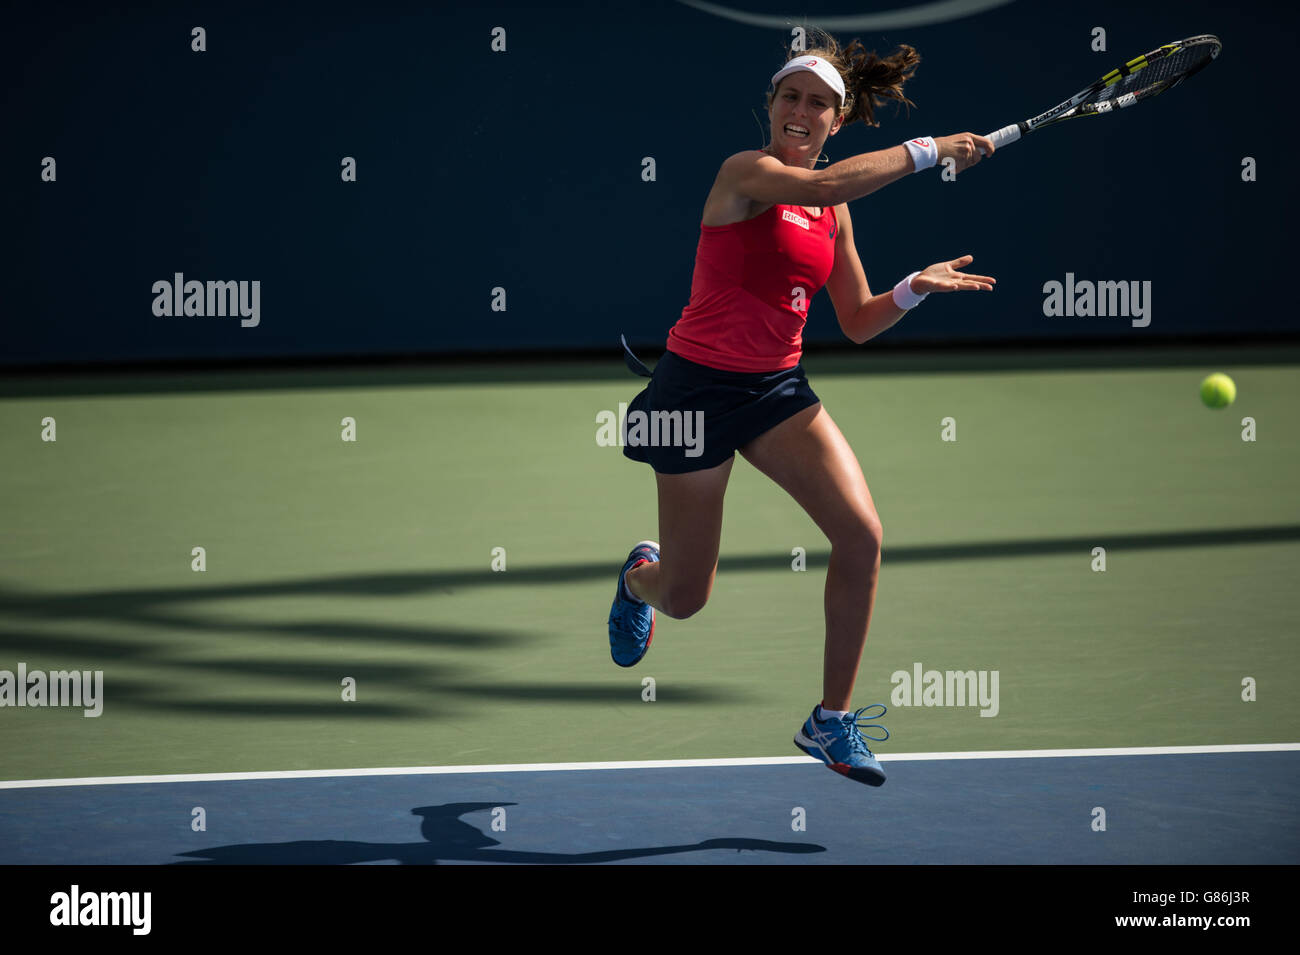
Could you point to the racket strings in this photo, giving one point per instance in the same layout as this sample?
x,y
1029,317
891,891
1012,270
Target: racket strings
x,y
1159,74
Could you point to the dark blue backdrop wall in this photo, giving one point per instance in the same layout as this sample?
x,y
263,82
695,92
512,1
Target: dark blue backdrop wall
x,y
522,170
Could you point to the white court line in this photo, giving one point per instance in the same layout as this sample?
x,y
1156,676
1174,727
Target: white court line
x,y
637,764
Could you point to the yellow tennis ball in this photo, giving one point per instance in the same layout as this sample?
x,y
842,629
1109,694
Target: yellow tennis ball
x,y
1218,391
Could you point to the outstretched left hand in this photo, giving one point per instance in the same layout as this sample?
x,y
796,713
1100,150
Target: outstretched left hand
x,y
944,277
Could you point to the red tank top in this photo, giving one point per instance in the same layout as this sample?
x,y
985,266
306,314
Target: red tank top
x,y
746,312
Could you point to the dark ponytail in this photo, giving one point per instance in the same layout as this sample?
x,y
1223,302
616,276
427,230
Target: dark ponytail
x,y
871,80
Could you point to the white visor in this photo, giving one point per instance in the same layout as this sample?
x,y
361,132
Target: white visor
x,y
816,65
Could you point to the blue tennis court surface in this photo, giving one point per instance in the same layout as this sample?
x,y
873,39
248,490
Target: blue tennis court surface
x,y
1218,808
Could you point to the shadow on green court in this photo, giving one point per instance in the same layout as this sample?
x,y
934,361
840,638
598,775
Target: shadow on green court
x,y
280,684
432,681
132,605
405,371
1164,540
177,697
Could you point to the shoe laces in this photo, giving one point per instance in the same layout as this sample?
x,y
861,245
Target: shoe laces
x,y
854,726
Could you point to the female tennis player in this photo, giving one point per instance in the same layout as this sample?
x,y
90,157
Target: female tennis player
x,y
775,230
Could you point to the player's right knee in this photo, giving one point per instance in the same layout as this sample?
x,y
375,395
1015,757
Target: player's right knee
x,y
684,602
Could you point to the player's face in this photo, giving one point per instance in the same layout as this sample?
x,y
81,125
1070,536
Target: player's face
x,y
804,112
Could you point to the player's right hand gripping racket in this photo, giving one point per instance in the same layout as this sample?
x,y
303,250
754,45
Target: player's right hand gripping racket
x,y
1139,79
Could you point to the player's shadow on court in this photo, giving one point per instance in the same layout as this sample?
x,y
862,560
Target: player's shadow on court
x,y
449,838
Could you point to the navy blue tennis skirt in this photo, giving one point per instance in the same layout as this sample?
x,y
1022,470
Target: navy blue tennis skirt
x,y
692,417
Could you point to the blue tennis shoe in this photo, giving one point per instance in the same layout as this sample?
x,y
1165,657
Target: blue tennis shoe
x,y
841,745
632,621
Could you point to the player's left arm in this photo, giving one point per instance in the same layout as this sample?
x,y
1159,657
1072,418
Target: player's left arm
x,y
862,315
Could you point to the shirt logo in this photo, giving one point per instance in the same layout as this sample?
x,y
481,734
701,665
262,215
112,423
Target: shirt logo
x,y
797,219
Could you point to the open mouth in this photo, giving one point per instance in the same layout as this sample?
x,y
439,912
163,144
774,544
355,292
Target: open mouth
x,y
797,132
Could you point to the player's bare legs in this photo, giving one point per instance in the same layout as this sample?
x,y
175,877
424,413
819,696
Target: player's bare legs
x,y
809,457
690,528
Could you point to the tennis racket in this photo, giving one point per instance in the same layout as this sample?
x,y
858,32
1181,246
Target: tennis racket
x,y
1139,79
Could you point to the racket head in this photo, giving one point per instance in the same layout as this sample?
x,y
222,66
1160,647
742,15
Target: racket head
x,y
1141,78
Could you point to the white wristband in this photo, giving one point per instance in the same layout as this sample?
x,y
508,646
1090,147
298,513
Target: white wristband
x,y
925,152
904,297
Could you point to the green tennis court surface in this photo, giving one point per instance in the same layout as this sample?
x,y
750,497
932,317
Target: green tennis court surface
x,y
372,560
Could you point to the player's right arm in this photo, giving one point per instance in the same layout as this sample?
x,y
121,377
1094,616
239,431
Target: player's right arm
x,y
764,178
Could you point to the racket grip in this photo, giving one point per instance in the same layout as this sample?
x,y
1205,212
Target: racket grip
x,y
1007,134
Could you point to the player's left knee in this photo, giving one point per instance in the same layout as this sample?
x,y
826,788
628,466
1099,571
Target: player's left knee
x,y
862,540
875,532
